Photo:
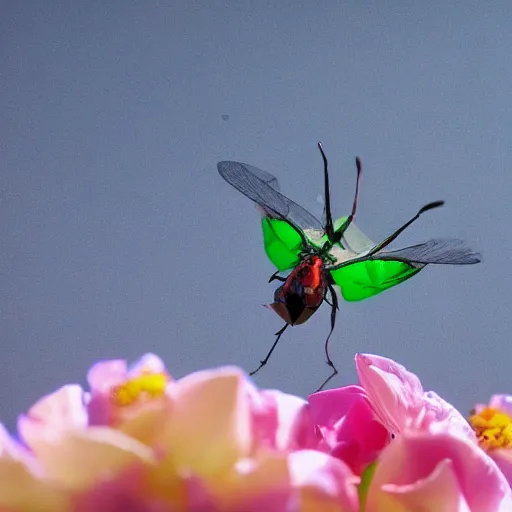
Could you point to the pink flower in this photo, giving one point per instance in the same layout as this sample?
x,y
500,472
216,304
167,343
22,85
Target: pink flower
x,y
436,472
433,463
357,422
140,440
492,424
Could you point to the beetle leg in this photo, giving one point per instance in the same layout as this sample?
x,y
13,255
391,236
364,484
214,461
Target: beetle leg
x,y
334,308
275,277
267,357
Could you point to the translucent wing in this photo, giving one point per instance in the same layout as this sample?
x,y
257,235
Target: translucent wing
x,y
353,243
263,188
442,251
354,239
367,275
284,222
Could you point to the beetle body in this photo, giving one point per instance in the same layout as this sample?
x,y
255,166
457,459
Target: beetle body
x,y
302,293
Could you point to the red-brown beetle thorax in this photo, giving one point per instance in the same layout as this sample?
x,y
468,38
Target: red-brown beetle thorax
x,y
307,280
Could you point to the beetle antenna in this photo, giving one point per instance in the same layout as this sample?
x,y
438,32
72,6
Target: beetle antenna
x,y
341,231
329,229
393,236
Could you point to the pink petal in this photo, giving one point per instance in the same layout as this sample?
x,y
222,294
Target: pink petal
x,y
360,438
503,459
439,415
21,484
394,393
10,448
81,458
264,416
256,486
323,481
359,425
21,490
347,423
63,409
262,485
351,454
106,374
120,494
328,406
399,401
147,363
501,402
102,377
412,459
145,424
294,429
439,492
212,409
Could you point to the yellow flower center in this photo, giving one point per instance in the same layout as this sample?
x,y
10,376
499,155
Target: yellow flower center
x,y
493,428
147,385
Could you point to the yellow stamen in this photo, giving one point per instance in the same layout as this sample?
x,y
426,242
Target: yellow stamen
x,y
147,385
493,428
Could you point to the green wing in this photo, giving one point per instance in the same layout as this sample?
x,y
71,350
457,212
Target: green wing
x,y
364,279
282,243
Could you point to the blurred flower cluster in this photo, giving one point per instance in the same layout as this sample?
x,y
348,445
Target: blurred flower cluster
x,y
138,440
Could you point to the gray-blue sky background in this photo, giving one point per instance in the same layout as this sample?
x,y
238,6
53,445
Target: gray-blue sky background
x,y
118,237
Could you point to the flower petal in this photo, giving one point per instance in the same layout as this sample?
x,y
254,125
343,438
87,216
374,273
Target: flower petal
x,y
328,406
264,416
60,410
123,493
324,483
414,456
438,492
102,379
211,408
294,429
145,424
503,459
21,485
264,484
80,458
442,416
501,402
393,391
20,490
148,363
106,374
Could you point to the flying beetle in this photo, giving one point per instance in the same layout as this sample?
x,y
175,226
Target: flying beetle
x,y
320,256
